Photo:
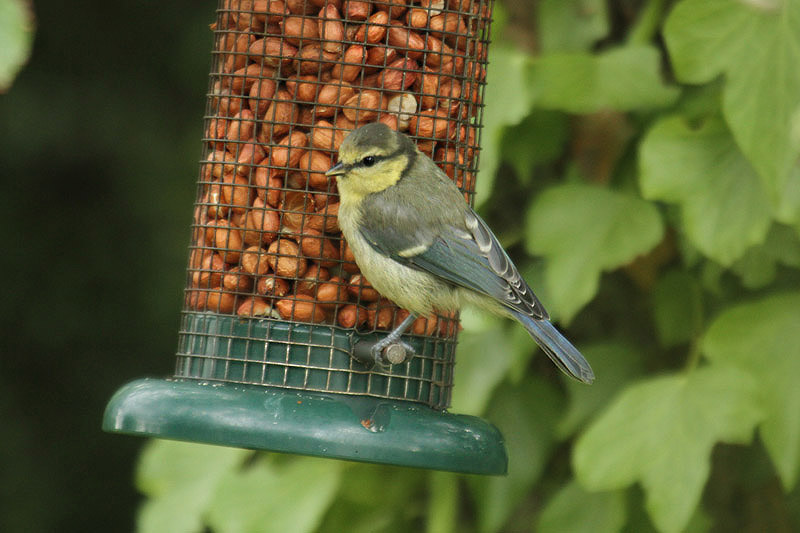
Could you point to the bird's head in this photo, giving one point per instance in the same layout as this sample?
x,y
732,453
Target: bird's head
x,y
372,158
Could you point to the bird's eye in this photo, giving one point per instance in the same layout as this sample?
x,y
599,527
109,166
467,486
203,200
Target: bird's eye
x,y
368,161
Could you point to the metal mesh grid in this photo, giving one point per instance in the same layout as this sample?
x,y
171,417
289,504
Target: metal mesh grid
x,y
289,80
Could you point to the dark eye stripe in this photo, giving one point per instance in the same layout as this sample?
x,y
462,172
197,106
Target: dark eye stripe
x,y
377,159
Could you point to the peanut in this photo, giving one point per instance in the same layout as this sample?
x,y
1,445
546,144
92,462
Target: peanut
x,y
295,208
395,8
254,261
352,62
296,30
380,314
241,127
330,29
404,106
259,96
325,136
314,275
374,29
330,97
236,280
399,74
285,260
209,273
357,9
301,308
289,150
272,286
219,301
412,43
262,224
363,107
272,51
332,292
315,246
362,289
351,316
254,306
316,164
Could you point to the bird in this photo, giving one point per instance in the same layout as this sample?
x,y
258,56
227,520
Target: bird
x,y
420,244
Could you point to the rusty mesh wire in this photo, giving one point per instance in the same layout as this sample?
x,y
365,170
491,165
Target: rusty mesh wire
x,y
273,294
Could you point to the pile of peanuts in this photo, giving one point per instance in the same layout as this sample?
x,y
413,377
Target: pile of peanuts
x,y
291,79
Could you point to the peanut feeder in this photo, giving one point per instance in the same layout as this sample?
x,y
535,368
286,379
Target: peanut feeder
x,y
274,303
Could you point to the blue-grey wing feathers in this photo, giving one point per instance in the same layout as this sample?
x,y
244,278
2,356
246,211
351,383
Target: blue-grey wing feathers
x,y
558,348
471,257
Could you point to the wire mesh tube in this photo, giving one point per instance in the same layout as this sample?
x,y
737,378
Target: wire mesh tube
x,y
273,294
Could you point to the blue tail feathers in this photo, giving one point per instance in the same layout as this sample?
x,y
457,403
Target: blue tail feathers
x,y
558,348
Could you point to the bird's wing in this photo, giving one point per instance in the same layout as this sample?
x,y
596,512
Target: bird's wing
x,y
469,257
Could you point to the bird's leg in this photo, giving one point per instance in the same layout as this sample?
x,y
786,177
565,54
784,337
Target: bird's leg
x,y
390,350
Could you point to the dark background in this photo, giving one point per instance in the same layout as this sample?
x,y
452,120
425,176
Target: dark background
x,y
99,143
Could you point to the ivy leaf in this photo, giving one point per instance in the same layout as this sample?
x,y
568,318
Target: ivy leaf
x,y
575,510
617,364
571,25
267,497
763,338
180,479
724,207
526,415
660,432
756,46
622,79
16,37
583,230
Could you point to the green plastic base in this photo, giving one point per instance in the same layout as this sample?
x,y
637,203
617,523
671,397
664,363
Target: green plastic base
x,y
356,428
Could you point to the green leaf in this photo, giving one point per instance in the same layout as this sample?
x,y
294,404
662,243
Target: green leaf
x,y
526,415
571,25
758,266
615,364
763,338
476,376
16,38
724,207
575,510
677,308
180,479
583,230
756,45
284,498
539,138
660,432
622,79
508,101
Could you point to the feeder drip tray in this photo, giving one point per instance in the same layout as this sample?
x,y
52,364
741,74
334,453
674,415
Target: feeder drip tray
x,y
307,423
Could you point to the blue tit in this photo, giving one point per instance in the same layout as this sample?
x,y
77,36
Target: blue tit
x,y
422,246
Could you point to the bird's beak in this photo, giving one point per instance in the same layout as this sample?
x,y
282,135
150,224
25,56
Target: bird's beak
x,y
336,170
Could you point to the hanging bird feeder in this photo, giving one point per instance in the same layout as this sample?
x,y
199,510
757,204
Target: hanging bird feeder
x,y
277,322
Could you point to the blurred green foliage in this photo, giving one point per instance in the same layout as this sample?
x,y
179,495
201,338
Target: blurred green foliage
x,y
640,163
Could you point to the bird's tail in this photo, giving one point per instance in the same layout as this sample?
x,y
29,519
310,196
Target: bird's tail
x,y
558,348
